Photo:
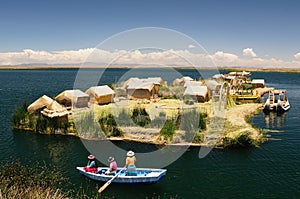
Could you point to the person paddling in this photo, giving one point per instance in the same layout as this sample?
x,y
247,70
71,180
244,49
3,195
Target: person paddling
x,y
112,166
130,164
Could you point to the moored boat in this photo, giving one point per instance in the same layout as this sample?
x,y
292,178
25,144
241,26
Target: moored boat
x,y
277,101
144,175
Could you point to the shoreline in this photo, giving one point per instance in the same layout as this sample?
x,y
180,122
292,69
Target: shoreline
x,y
41,67
236,124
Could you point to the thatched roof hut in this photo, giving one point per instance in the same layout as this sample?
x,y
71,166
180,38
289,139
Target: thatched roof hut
x,y
76,97
258,83
157,80
142,88
213,85
135,80
101,94
55,110
181,81
192,83
198,93
39,104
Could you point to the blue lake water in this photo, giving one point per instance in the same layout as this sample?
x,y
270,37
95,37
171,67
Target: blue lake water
x,y
270,171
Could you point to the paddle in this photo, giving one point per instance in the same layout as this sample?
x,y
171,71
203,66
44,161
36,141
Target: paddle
x,y
108,182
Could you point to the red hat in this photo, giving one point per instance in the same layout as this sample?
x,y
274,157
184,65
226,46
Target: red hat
x,y
91,157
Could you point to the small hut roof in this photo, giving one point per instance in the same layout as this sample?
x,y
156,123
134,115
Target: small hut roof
x,y
243,73
155,80
136,83
100,90
70,95
141,85
177,81
258,81
55,110
131,80
196,90
192,83
187,78
39,104
212,84
218,76
230,77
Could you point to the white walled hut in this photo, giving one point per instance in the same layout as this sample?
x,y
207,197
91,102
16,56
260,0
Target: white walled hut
x,y
101,94
198,93
39,104
76,97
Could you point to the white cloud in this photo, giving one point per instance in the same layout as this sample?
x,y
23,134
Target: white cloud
x,y
136,57
248,52
191,46
297,56
224,57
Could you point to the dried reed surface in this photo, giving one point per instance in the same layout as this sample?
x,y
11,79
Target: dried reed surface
x,y
34,182
237,118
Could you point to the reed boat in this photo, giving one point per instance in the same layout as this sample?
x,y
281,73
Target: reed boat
x,y
277,101
144,175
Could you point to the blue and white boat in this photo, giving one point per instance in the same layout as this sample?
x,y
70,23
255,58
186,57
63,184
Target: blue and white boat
x,y
144,175
277,101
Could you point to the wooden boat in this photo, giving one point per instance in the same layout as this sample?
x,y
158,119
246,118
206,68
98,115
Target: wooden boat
x,y
277,101
144,175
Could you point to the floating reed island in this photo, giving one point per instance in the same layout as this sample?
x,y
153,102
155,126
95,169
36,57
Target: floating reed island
x,y
212,112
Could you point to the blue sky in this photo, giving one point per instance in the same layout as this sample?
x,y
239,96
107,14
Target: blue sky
x,y
270,28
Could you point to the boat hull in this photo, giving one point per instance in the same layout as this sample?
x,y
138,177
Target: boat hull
x,y
277,101
279,106
283,106
144,176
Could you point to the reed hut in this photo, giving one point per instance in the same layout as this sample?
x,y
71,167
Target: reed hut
x,y
198,93
213,85
54,110
156,80
258,83
181,81
142,88
192,83
76,97
39,104
101,94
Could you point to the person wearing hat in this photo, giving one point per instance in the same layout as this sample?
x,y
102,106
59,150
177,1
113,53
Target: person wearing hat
x,y
91,164
112,166
130,164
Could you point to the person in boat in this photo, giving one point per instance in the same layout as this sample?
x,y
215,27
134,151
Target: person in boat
x,y
130,164
91,164
112,166
281,96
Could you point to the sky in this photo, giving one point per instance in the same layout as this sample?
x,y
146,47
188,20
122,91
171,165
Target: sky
x,y
254,33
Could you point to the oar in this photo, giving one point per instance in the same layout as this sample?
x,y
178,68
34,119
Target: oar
x,y
108,182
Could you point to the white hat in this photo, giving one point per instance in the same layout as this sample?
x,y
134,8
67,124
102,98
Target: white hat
x,y
110,159
91,157
130,153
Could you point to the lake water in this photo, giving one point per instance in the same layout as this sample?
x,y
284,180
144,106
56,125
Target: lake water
x,y
270,171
